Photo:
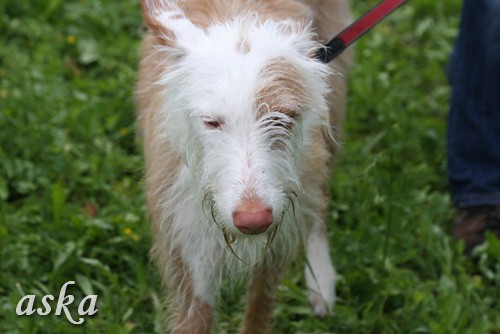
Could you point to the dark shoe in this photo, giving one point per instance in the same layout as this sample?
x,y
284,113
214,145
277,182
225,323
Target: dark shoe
x,y
472,224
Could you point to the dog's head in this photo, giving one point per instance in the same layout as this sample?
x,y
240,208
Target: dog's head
x,y
242,101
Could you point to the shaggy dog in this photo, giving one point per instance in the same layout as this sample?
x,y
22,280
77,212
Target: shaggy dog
x,y
240,123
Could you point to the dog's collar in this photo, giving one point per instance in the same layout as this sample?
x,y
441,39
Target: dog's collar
x,y
357,29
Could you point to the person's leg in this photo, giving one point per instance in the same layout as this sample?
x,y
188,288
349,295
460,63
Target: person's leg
x,y
474,122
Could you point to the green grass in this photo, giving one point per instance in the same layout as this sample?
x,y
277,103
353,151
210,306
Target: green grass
x,y
71,198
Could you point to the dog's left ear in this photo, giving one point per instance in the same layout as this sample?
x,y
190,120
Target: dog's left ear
x,y
170,24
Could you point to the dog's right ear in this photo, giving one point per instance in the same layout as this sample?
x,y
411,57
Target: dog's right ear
x,y
170,24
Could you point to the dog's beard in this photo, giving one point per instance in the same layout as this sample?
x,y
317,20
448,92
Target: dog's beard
x,y
267,238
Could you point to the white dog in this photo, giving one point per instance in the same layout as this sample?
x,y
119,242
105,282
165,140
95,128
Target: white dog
x,y
240,122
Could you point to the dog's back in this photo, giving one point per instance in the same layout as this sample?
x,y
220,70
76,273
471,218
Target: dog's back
x,y
237,120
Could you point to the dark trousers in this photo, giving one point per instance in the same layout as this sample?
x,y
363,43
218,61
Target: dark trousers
x,y
474,119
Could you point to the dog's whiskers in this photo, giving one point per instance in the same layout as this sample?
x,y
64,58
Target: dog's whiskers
x,y
213,212
292,203
204,206
230,239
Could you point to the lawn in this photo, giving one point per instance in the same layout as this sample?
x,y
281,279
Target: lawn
x,y
71,190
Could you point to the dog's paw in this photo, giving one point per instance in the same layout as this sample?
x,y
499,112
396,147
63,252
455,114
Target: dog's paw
x,y
320,274
321,304
321,286
318,304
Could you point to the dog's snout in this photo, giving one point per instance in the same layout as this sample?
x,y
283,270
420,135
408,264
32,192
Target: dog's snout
x,y
252,217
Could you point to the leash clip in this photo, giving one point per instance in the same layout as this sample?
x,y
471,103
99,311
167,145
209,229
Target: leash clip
x,y
357,29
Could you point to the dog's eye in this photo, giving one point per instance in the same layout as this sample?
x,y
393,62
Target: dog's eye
x,y
212,124
281,122
280,117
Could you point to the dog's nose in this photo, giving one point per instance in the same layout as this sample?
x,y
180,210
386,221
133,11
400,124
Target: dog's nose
x,y
253,222
253,218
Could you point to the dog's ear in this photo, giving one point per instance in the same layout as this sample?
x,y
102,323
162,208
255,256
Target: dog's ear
x,y
170,24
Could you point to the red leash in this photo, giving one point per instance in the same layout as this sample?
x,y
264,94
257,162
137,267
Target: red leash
x,y
357,29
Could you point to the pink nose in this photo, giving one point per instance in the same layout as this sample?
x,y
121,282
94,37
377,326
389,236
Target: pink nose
x,y
253,217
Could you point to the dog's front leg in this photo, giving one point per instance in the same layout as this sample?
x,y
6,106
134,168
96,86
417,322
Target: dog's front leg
x,y
189,312
193,317
261,297
319,272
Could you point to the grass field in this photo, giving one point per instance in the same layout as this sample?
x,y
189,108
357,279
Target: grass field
x,y
71,192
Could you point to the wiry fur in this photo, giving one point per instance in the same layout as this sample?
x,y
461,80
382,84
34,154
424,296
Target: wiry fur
x,y
232,107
